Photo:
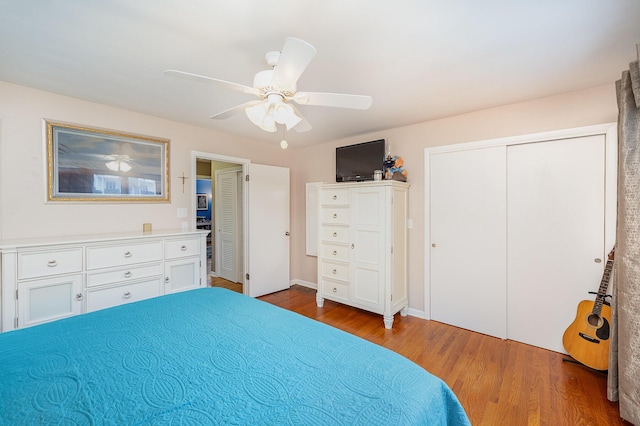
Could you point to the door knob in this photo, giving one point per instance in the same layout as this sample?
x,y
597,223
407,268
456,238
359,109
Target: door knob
x,y
287,233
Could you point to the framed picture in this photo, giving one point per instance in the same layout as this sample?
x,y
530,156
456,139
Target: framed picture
x,y
203,202
88,164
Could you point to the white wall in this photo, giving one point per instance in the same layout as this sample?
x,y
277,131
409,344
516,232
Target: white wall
x,y
24,212
317,163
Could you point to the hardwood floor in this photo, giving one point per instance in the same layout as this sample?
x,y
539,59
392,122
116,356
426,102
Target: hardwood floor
x,y
498,382
221,282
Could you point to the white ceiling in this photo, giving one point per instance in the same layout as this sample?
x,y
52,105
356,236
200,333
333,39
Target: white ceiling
x,y
418,59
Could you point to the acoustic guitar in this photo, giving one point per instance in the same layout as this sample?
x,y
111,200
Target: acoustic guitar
x,y
587,338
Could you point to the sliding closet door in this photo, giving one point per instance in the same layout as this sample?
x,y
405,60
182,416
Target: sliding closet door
x,y
468,239
555,235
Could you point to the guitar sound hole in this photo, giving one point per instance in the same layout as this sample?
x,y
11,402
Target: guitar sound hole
x,y
594,320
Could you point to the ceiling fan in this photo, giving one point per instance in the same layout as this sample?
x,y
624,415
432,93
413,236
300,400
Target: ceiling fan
x,y
277,92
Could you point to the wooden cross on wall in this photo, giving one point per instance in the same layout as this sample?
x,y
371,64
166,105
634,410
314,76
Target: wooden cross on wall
x,y
183,177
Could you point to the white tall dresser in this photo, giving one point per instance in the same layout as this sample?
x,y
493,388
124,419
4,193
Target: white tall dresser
x,y
362,246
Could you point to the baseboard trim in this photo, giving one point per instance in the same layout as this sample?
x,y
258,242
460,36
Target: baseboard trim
x,y
304,283
416,313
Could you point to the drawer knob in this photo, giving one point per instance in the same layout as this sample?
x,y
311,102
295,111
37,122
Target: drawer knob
x,y
335,253
335,215
127,254
335,197
79,297
166,280
334,272
128,274
183,248
335,234
127,295
52,263
335,290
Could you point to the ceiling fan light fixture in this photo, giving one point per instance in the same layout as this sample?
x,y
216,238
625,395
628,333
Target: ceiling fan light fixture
x,y
267,115
284,144
268,124
292,121
276,89
282,113
259,115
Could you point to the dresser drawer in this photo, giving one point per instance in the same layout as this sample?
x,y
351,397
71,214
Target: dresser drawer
x,y
335,234
101,298
53,262
335,216
335,271
174,249
334,290
335,252
123,275
123,254
334,196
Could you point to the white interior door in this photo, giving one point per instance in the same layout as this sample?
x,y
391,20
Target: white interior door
x,y
468,239
268,230
227,224
556,204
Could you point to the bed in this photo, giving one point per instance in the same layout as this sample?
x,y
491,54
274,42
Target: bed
x,y
207,357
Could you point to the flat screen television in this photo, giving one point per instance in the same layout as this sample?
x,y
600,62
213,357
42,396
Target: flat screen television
x,y
358,162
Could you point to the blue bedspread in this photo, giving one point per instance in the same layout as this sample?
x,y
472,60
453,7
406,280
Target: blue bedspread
x,y
210,357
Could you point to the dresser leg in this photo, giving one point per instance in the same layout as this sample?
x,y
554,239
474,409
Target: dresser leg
x,y
388,321
404,311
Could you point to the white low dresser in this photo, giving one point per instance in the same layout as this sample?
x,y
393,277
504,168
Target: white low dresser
x,y
48,279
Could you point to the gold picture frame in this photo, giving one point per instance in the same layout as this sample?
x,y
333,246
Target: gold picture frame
x,y
89,164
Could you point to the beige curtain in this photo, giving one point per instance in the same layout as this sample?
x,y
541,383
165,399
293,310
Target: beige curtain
x,y
624,359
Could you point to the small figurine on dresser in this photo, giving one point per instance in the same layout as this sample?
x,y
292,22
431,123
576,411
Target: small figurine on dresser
x,y
393,168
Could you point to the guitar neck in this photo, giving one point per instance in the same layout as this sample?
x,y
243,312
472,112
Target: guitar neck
x,y
602,290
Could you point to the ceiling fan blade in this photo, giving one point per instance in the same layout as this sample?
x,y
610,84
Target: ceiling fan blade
x,y
211,80
302,126
339,100
235,110
294,58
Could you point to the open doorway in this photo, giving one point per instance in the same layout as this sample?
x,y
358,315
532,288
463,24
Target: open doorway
x,y
219,179
261,217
